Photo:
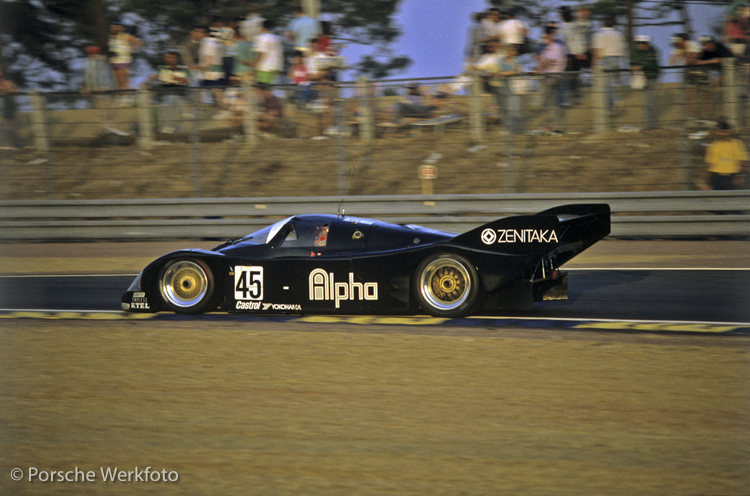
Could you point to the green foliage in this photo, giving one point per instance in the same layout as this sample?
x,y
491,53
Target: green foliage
x,y
42,35
41,39
379,70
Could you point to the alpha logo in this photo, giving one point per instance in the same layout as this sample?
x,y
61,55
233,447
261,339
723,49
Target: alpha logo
x,y
323,287
490,236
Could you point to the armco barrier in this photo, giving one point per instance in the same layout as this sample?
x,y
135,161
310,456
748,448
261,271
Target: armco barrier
x,y
639,214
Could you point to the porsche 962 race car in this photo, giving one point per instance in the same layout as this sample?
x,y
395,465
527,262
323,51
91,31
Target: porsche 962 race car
x,y
346,265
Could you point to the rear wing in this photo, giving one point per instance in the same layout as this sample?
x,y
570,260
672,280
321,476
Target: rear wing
x,y
560,232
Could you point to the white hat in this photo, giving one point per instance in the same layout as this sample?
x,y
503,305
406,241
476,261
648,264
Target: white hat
x,y
643,38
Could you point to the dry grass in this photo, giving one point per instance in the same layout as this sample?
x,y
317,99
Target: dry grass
x,y
273,408
296,167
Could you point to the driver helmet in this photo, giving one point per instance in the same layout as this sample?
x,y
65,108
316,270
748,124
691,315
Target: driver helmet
x,y
321,235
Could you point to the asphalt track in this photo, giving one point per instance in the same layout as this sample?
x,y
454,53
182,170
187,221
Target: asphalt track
x,y
697,300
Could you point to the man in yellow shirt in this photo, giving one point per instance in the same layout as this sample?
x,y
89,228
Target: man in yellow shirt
x,y
726,160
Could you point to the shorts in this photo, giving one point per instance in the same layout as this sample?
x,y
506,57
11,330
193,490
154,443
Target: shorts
x,y
722,182
118,67
268,77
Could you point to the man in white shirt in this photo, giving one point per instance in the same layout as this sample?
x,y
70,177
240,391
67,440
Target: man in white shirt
x,y
491,24
270,59
609,48
210,61
513,31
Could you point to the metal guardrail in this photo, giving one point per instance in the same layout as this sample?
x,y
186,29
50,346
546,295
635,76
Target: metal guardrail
x,y
634,214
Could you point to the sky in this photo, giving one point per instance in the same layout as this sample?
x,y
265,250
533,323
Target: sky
x,y
435,32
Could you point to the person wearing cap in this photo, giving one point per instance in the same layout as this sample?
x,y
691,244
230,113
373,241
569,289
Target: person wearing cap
x,y
710,60
713,52
726,161
645,60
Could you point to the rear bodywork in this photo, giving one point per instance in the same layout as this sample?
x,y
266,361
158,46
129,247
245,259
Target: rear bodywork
x,y
364,266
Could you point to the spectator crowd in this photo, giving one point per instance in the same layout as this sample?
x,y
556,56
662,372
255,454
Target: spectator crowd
x,y
228,54
500,48
222,57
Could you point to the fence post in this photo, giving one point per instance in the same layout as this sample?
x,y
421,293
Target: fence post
x,y
339,124
39,122
730,95
601,105
477,120
366,129
145,121
250,123
195,139
686,161
40,129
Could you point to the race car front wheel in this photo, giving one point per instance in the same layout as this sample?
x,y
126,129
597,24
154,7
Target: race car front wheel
x,y
187,286
447,286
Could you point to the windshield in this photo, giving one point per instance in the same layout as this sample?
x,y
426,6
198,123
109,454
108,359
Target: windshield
x,y
261,237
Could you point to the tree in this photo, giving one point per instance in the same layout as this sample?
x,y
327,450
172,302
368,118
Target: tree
x,y
42,40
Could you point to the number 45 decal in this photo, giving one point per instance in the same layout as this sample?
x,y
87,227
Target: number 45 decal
x,y
248,283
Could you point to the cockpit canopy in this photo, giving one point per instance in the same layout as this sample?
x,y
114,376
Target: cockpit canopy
x,y
330,235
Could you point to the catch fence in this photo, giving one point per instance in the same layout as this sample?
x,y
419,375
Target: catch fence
x,y
477,136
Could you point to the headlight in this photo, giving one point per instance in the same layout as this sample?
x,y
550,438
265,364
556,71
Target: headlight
x,y
136,284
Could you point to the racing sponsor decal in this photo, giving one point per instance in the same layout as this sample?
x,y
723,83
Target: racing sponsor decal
x,y
247,305
282,306
257,305
248,284
324,287
492,236
139,301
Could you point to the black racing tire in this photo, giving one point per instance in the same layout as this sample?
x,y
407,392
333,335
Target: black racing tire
x,y
447,285
187,286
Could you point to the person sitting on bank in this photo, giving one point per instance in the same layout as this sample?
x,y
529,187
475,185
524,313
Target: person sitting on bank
x,y
726,161
171,80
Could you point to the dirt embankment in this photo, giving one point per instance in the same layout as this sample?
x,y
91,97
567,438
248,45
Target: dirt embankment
x,y
654,160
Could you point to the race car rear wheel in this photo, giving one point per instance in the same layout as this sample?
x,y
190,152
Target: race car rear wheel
x,y
187,286
447,286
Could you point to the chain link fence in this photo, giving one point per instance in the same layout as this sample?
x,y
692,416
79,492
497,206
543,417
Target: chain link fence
x,y
571,132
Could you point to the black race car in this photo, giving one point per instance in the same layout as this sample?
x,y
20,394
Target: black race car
x,y
339,264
